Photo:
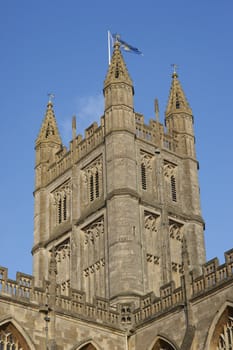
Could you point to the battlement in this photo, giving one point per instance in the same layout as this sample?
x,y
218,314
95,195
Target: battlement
x,y
153,133
122,315
214,274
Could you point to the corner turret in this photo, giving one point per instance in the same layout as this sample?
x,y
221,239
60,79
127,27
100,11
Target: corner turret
x,y
118,93
179,118
48,142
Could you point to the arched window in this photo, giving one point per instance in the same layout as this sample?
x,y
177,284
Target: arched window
x,y
161,344
64,207
173,188
94,185
91,188
146,165
222,337
11,339
97,191
88,346
59,211
143,175
177,102
225,339
117,72
62,204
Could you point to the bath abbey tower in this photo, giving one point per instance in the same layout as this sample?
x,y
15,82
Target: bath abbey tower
x,y
118,254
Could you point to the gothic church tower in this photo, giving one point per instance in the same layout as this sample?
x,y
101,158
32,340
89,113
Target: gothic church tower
x,y
118,255
117,207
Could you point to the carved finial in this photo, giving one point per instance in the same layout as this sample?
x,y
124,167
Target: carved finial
x,y
185,254
53,263
175,66
74,127
157,110
117,37
51,97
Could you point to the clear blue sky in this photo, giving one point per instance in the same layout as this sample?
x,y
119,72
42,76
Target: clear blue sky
x,y
61,46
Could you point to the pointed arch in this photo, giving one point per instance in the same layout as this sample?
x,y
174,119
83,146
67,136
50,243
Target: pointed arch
x,y
13,334
220,334
89,344
161,342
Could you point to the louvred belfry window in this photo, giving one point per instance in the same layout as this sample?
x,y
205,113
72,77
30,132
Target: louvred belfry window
x,y
170,175
146,171
62,203
93,179
173,188
143,175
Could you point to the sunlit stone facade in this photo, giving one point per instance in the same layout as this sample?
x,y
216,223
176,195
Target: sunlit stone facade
x,y
118,255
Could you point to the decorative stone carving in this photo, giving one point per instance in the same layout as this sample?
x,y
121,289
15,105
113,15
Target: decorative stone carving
x,y
62,251
62,203
169,170
226,337
146,159
177,267
152,258
92,176
96,165
94,231
62,256
175,231
150,221
65,189
94,267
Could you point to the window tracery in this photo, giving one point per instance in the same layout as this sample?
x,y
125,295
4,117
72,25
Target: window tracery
x,y
88,346
62,255
176,230
93,261
225,341
152,249
169,171
146,171
93,179
162,345
11,339
62,203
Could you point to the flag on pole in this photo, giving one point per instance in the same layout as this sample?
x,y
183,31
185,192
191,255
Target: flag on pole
x,y
126,47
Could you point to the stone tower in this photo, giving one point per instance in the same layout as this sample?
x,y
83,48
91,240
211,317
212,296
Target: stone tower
x,y
119,257
117,205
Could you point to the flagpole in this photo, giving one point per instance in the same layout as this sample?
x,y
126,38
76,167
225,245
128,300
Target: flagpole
x,y
109,50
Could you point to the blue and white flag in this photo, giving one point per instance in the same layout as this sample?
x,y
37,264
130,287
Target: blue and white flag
x,y
125,46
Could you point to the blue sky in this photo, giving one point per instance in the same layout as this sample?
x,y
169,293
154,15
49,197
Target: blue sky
x,y
61,47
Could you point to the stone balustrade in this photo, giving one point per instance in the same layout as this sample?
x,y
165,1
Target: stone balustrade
x,y
23,289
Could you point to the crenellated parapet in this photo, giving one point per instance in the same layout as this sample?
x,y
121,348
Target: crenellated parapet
x,y
152,133
213,274
155,134
79,148
121,315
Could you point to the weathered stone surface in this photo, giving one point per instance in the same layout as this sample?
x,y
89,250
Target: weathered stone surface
x,y
119,256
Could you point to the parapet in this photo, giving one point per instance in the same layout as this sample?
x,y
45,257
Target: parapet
x,y
121,315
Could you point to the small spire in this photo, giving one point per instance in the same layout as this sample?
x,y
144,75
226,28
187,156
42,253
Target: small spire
x,y
74,127
157,110
51,97
177,101
49,130
175,66
117,71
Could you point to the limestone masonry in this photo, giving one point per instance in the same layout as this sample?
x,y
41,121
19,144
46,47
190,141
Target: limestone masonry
x,y
118,255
